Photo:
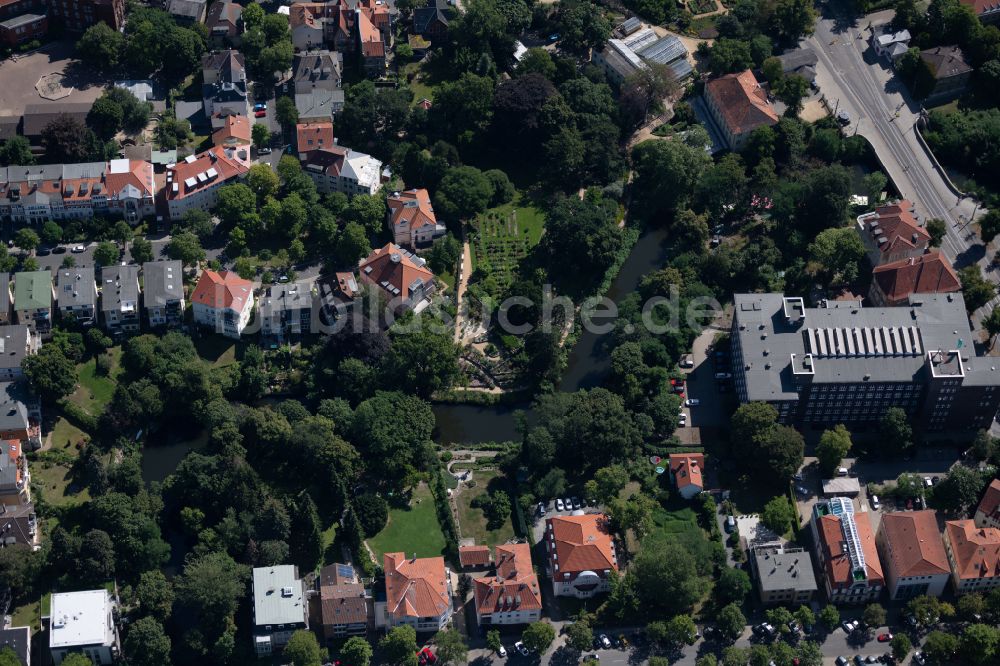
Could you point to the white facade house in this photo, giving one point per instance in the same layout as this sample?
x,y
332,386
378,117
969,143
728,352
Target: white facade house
x,y
223,302
82,622
280,607
194,182
339,169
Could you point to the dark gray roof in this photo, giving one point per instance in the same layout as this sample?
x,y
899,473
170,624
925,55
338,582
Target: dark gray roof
x,y
318,103
37,116
317,69
119,284
630,25
17,524
17,639
225,91
13,412
286,297
780,568
230,64
8,126
664,50
75,287
162,281
946,61
224,12
796,58
423,17
23,19
896,342
189,9
5,296
13,345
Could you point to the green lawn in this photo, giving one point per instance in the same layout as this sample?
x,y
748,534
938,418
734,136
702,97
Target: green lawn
x,y
95,391
419,85
504,235
472,522
65,435
414,529
53,481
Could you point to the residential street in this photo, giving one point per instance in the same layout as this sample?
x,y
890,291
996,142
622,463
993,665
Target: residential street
x,y
855,80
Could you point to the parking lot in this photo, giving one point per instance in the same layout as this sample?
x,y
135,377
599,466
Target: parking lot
x,y
551,509
714,396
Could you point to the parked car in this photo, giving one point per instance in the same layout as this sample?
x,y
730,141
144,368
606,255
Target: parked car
x,y
43,252
682,420
260,106
919,658
884,638
260,113
842,661
264,151
723,375
577,504
502,652
843,117
849,625
522,648
859,660
568,503
541,508
692,402
77,249
605,641
730,523
58,249
928,482
559,505
875,502
801,490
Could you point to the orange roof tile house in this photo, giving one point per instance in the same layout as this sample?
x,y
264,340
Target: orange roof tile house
x,y
891,233
912,553
581,554
512,594
195,181
223,302
846,552
738,105
475,557
686,470
974,556
417,593
401,277
988,511
313,136
896,282
235,131
412,220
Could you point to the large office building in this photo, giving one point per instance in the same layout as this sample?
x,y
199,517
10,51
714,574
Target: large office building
x,y
843,363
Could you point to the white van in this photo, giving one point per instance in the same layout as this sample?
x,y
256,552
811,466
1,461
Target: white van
x,y
841,471
875,502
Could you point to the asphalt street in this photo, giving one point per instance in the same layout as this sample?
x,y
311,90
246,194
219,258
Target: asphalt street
x,y
854,79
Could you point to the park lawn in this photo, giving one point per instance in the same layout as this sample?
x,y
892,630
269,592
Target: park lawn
x,y
216,350
679,525
472,522
94,390
65,435
414,529
53,479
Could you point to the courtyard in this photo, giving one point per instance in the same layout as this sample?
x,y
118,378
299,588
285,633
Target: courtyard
x,y
48,68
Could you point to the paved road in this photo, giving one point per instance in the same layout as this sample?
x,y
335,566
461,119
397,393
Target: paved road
x,y
854,79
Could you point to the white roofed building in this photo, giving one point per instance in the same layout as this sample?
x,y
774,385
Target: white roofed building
x,y
82,622
339,169
279,607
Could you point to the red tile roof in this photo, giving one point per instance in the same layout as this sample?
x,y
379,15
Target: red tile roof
x,y
897,227
416,587
236,130
741,101
222,290
412,206
372,45
975,550
474,556
582,543
515,586
914,543
687,469
838,563
990,504
929,273
313,136
396,268
227,163
981,6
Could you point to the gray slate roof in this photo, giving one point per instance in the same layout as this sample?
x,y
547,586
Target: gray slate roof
x,y
13,345
162,281
784,569
119,284
768,341
13,412
75,287
37,116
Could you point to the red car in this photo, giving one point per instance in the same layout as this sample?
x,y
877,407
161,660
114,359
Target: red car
x,y
426,657
884,638
260,113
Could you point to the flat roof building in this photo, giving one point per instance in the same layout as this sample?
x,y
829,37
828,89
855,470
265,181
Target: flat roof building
x,y
784,575
843,363
279,607
83,622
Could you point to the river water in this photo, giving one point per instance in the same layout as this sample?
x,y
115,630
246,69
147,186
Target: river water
x,y
468,424
586,366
